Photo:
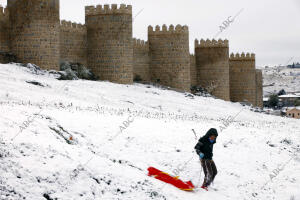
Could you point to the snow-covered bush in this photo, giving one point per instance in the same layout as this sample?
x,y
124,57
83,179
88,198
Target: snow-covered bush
x,y
68,74
200,91
74,71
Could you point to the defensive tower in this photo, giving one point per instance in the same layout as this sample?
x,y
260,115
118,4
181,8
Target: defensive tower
x,y
4,27
170,57
242,78
4,34
212,63
34,31
109,41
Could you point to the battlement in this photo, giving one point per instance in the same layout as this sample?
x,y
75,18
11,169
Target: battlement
x,y
107,9
3,12
69,25
13,4
211,43
137,43
242,56
165,30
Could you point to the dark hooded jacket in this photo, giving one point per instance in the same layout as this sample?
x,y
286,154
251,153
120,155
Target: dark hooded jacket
x,y
205,146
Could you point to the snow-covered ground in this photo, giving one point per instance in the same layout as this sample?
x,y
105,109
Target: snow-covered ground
x,y
277,78
89,140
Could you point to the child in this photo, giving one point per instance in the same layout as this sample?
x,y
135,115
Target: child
x,y
204,149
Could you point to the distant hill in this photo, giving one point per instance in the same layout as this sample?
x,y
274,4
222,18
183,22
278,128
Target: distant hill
x,y
277,78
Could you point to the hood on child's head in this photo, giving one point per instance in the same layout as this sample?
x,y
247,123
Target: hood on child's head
x,y
211,132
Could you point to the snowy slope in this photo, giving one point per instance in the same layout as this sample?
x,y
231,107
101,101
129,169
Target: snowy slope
x,y
277,78
67,140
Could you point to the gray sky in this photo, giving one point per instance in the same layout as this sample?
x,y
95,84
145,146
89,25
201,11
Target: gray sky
x,y
268,28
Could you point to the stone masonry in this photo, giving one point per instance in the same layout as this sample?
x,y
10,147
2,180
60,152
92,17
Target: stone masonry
x,y
34,31
259,88
4,34
73,42
170,57
242,78
193,70
31,32
212,63
141,61
110,44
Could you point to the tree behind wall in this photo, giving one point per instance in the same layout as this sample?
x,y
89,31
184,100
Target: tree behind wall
x,y
273,100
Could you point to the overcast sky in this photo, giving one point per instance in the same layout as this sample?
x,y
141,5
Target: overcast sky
x,y
268,28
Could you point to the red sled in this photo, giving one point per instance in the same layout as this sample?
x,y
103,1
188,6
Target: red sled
x,y
165,177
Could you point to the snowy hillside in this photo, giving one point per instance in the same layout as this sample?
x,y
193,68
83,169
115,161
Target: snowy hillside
x,y
277,78
87,140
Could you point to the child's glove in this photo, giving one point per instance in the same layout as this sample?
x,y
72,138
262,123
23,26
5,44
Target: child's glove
x,y
201,155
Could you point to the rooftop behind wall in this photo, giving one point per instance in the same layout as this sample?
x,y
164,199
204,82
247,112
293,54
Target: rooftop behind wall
x,y
211,43
107,9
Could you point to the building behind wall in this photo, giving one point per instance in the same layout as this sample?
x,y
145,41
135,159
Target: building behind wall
x,y
212,63
293,113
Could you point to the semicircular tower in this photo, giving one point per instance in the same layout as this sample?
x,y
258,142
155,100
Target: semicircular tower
x,y
212,63
242,78
34,31
170,57
109,42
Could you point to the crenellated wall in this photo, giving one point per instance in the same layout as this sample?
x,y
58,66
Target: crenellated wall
x,y
73,42
34,32
242,78
259,88
212,63
141,59
110,45
193,70
31,32
170,57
